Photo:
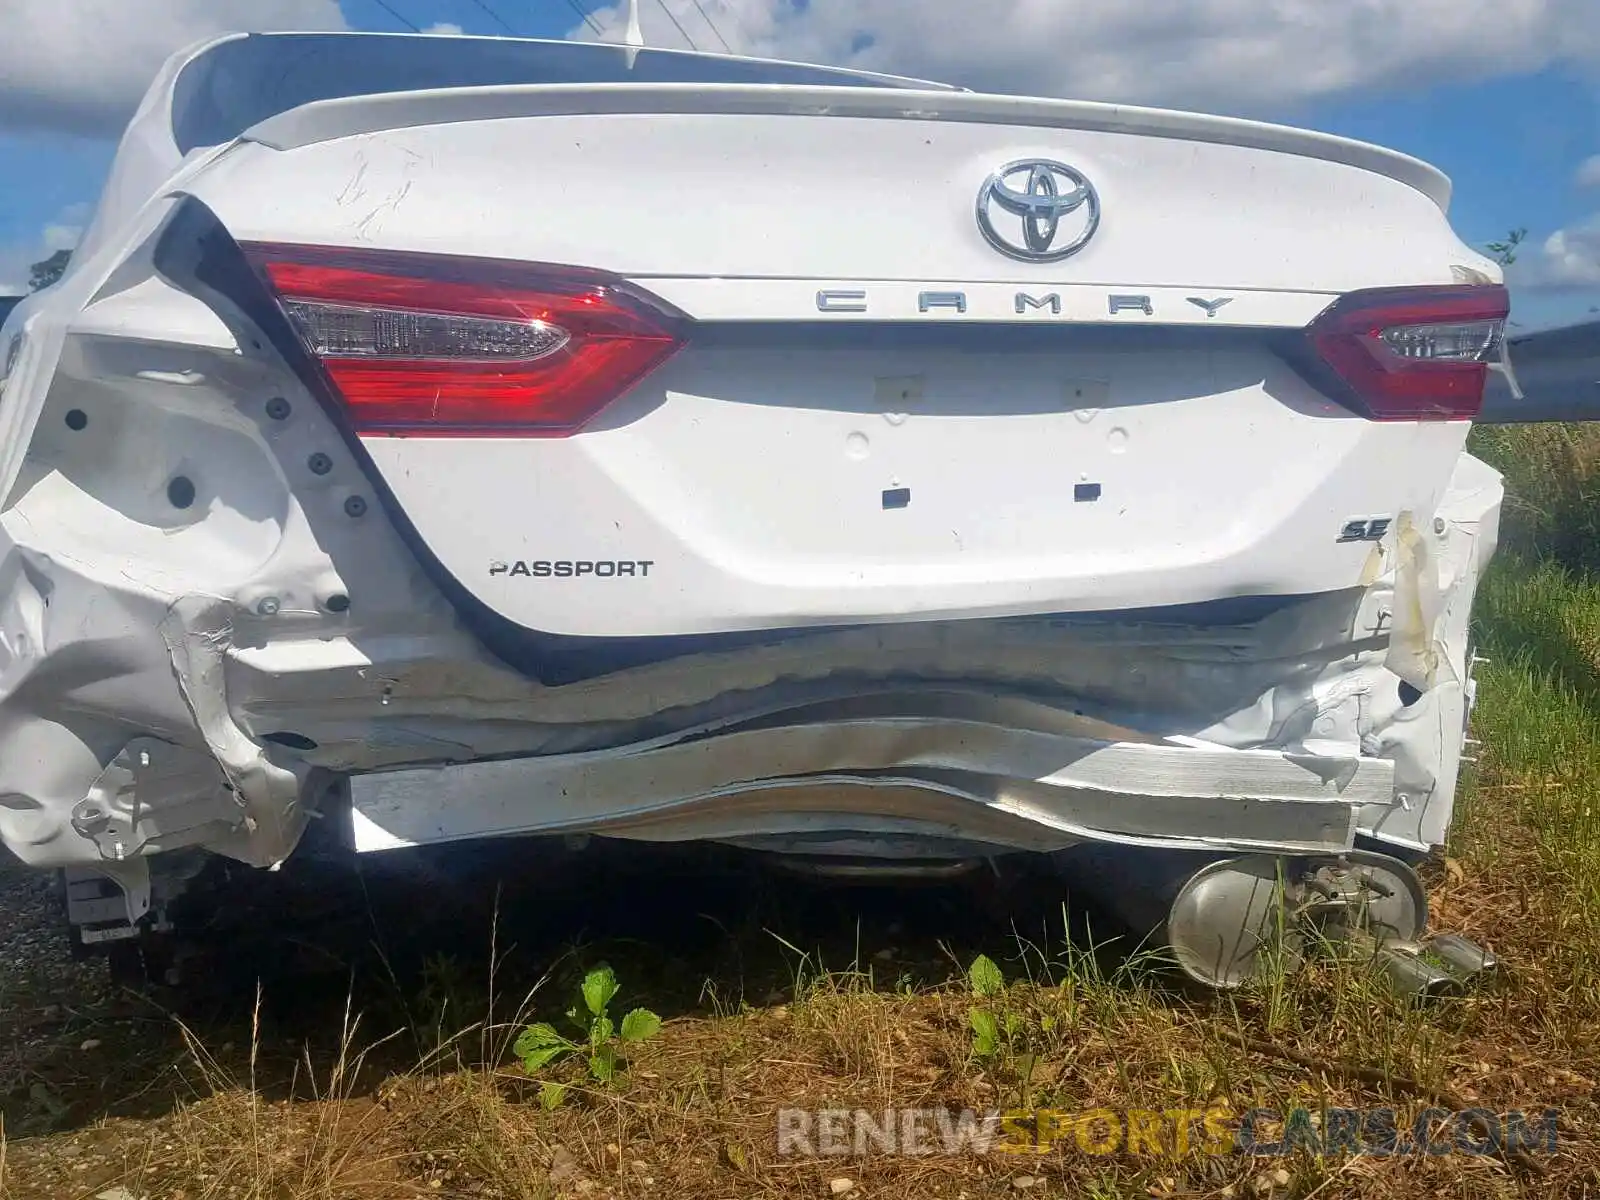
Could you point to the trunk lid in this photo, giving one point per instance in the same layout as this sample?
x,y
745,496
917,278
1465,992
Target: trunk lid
x,y
878,411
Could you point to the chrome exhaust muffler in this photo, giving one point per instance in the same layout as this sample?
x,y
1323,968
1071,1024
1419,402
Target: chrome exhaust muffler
x,y
1225,921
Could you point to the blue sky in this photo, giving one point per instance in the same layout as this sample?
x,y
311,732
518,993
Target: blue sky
x,y
1513,121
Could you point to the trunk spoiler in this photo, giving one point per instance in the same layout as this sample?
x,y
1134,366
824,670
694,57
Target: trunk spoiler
x,y
325,120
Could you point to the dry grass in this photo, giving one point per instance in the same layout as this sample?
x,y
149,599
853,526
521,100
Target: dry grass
x,y
696,1112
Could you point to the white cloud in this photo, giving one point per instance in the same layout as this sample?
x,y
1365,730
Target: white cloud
x,y
1252,55
1569,258
66,230
448,28
80,66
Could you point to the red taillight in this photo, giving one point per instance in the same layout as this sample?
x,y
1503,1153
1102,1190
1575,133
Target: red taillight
x,y
1413,353
427,344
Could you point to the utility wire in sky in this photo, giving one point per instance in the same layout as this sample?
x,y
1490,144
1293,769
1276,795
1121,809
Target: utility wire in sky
x,y
501,21
676,25
384,4
587,19
701,9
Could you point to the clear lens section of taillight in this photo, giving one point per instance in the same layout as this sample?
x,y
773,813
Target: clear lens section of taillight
x,y
428,344
1413,353
339,331
1467,341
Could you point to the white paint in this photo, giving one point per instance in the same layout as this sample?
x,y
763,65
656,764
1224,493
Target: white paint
x,y
1230,476
356,114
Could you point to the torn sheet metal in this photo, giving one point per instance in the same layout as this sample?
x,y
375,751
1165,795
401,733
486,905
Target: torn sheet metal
x,y
1424,738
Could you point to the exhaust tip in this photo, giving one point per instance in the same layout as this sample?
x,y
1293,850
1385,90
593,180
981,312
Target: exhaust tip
x,y
1463,958
1408,969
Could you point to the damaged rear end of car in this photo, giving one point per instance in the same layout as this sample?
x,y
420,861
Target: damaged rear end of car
x,y
678,448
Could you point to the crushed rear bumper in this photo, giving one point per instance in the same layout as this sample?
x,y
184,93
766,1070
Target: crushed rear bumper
x,y
866,778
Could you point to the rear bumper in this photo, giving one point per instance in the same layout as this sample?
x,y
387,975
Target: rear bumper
x,y
865,779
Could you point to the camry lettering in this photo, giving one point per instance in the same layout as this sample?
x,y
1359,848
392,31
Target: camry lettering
x,y
928,301
842,301
1136,303
1053,302
859,300
1210,306
574,568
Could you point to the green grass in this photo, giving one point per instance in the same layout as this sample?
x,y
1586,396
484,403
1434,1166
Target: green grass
x,y
1539,715
1538,623
1553,475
